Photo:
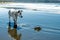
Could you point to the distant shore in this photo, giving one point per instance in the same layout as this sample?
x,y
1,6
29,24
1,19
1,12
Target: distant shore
x,y
6,2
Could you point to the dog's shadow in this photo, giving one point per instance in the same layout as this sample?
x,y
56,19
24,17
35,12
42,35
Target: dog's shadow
x,y
13,32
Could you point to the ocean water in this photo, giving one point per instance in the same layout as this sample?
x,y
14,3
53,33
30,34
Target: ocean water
x,y
32,1
46,16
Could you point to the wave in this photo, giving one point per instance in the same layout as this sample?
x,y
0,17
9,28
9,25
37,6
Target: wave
x,y
45,7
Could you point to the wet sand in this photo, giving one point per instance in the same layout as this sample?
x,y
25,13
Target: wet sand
x,y
35,25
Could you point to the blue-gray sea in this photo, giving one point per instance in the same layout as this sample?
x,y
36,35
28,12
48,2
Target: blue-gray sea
x,y
46,16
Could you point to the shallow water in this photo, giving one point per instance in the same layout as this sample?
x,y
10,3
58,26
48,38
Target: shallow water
x,y
49,22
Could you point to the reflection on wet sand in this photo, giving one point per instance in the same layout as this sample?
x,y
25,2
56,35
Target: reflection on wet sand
x,y
13,32
37,28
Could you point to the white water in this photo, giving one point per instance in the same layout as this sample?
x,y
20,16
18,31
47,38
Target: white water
x,y
45,7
